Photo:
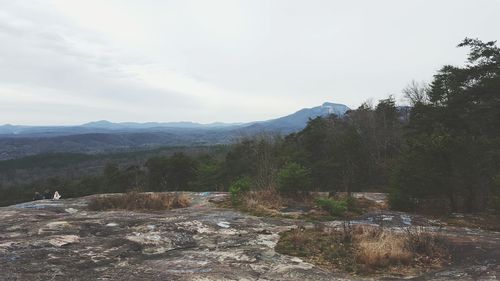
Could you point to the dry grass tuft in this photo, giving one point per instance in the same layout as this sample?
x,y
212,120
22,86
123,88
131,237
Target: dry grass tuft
x,y
365,249
298,237
378,248
262,201
140,201
429,249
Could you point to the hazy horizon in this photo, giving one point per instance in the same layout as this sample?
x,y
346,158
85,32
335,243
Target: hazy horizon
x,y
72,62
159,122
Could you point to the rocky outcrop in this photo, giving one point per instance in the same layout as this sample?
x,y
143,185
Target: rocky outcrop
x,y
62,240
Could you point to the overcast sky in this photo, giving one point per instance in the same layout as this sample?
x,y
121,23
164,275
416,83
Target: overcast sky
x,y
69,62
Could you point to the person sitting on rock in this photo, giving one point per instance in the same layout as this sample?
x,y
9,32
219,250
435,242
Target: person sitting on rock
x,y
56,196
47,194
37,196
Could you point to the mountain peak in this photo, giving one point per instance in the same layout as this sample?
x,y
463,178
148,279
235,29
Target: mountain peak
x,y
298,120
331,104
98,123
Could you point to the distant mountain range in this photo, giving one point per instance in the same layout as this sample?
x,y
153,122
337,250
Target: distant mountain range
x,y
103,124
104,136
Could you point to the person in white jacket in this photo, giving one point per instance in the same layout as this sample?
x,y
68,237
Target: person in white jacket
x,y
56,196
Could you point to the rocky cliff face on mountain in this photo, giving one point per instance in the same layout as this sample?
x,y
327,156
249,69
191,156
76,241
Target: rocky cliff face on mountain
x,y
298,120
64,240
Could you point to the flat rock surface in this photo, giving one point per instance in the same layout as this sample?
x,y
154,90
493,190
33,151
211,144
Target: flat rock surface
x,y
62,240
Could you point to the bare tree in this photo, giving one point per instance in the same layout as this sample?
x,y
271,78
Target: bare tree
x,y
416,93
266,165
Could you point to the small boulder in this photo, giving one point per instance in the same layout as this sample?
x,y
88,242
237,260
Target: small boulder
x,y
62,240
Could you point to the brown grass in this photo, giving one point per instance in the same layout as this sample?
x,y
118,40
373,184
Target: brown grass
x,y
429,249
325,249
265,201
378,248
139,201
366,249
269,202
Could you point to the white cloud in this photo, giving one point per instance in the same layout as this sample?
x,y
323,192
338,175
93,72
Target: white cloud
x,y
70,61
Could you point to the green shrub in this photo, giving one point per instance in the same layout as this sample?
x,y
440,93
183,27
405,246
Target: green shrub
x,y
351,203
238,187
399,200
293,178
332,206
